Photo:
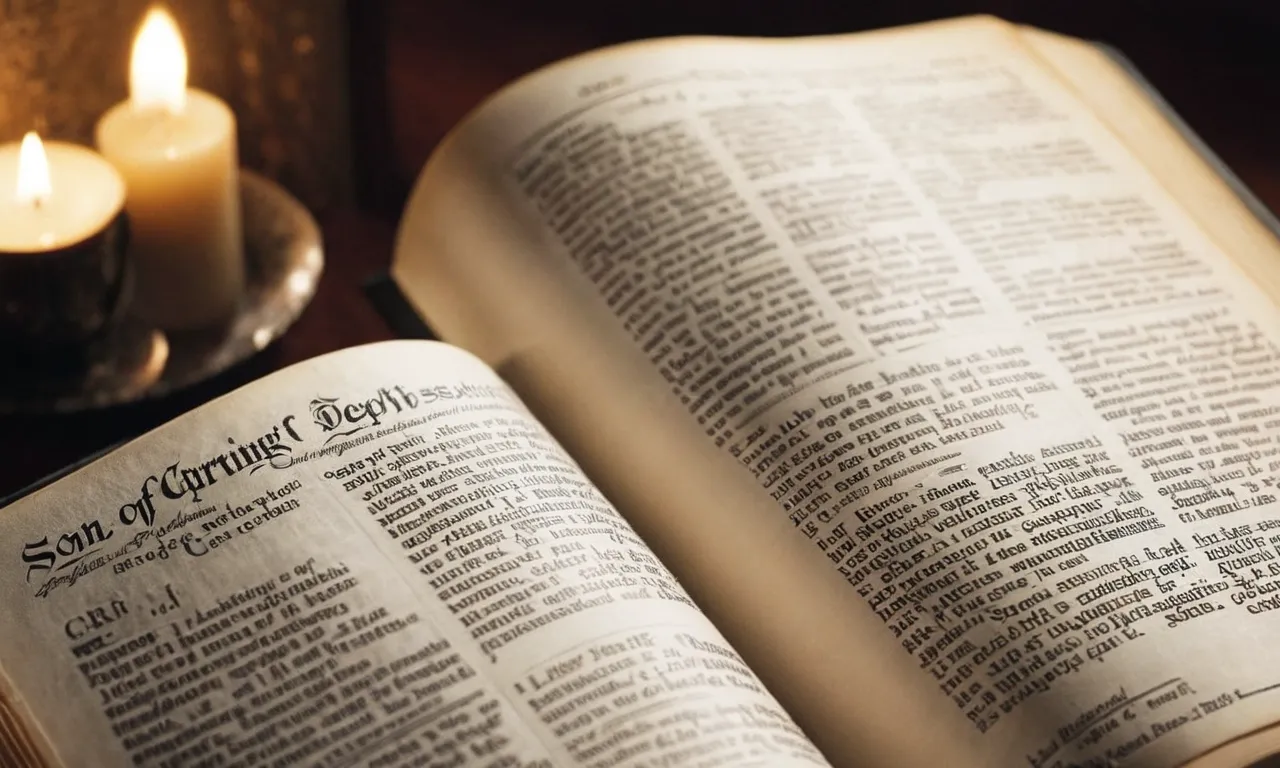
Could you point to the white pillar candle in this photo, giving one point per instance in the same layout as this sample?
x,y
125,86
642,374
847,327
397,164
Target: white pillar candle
x,y
54,196
176,148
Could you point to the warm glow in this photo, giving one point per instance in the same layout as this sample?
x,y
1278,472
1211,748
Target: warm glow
x,y
158,67
34,186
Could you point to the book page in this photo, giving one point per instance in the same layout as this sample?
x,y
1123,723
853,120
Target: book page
x,y
377,558
1129,113
977,355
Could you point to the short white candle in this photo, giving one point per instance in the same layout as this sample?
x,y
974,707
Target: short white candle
x,y
176,148
53,196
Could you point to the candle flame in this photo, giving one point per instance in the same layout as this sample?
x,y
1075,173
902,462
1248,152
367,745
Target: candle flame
x,y
34,186
158,66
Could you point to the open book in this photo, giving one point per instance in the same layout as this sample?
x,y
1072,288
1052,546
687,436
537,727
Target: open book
x,y
906,398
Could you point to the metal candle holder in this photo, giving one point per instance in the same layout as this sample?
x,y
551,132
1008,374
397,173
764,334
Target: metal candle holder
x,y
134,361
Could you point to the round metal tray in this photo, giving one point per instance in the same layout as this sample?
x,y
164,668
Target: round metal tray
x,y
284,260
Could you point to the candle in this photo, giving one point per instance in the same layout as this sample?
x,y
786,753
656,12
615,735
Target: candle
x,y
176,148
62,235
90,194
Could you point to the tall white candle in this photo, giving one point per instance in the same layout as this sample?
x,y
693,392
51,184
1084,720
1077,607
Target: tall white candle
x,y
176,148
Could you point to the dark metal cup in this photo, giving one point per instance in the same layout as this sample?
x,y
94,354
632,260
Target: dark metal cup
x,y
56,305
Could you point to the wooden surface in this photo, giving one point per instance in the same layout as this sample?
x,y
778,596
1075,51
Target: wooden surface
x,y
418,67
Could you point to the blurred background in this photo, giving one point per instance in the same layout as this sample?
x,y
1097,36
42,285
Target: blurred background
x,y
342,100
280,64
421,64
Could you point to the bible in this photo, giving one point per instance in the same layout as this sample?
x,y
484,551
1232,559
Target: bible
x,y
898,398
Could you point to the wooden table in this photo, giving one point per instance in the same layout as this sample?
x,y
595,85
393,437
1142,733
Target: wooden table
x,y
421,66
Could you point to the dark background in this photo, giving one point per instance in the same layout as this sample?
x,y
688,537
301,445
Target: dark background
x,y
1217,61
280,64
415,67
